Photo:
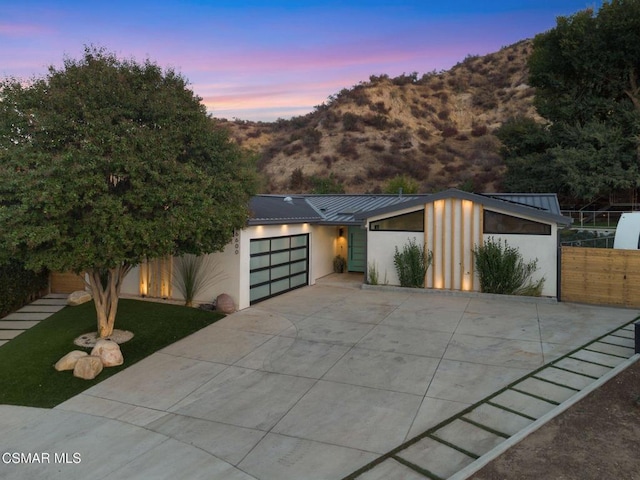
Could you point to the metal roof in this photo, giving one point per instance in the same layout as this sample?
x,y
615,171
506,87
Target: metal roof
x,y
355,209
546,210
543,201
274,209
342,209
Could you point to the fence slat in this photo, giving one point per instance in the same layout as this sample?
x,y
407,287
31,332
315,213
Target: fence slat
x,y
600,276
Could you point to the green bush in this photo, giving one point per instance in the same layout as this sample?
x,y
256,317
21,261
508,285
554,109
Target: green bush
x,y
404,182
412,264
19,286
502,270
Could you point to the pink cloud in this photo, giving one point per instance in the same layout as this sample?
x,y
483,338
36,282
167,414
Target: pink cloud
x,y
22,30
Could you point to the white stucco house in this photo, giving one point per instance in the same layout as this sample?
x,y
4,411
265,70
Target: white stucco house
x,y
291,241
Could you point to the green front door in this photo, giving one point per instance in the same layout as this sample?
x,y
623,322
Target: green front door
x,y
357,248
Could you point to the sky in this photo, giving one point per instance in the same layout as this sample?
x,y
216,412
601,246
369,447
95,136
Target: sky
x,y
264,60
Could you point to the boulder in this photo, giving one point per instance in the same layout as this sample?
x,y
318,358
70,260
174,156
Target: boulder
x,y
78,298
88,367
109,352
68,362
224,303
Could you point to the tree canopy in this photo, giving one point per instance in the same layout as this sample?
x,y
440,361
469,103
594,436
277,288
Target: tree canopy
x,y
586,72
107,162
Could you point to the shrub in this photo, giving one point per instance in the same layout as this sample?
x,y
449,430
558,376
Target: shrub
x,y
411,264
502,270
348,148
479,130
404,182
444,114
292,148
325,185
376,147
484,99
297,180
19,286
350,121
311,139
423,133
339,264
377,121
449,131
380,107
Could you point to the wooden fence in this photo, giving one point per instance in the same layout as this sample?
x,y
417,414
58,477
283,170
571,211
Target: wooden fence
x,y
65,282
601,276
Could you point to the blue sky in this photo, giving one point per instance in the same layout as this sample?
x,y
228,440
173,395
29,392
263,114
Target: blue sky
x,y
259,60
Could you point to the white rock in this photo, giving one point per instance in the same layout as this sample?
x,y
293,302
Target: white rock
x,y
88,367
78,298
109,352
68,362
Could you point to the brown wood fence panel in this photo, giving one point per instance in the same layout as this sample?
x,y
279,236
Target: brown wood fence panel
x,y
66,282
601,276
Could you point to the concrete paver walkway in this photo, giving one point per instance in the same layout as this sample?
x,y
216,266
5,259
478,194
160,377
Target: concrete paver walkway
x,y
318,383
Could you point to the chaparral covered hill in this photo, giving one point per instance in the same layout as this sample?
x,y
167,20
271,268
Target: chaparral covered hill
x,y
436,128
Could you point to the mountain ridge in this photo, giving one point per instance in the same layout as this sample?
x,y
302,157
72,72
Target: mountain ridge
x,y
437,129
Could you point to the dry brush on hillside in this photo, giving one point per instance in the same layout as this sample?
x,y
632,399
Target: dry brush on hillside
x,y
436,128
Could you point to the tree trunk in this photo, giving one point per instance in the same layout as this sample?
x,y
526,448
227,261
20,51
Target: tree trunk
x,y
105,297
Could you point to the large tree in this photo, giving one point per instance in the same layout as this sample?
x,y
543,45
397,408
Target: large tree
x,y
586,72
106,162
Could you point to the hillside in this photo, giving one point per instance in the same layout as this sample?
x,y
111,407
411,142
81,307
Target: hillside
x,y
436,129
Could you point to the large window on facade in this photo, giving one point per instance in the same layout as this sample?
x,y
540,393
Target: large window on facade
x,y
409,222
495,222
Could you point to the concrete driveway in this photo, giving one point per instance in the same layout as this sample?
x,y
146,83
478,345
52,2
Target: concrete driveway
x,y
311,384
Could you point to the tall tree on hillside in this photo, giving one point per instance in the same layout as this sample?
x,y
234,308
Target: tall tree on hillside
x,y
587,75
106,162
526,150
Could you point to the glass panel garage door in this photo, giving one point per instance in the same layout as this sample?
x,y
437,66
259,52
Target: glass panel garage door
x,y
278,265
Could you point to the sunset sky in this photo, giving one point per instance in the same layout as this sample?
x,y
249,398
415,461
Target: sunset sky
x,y
263,60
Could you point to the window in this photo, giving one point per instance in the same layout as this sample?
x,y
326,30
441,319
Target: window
x,y
409,222
495,222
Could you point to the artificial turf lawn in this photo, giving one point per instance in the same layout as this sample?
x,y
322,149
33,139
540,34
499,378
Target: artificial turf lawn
x,y
27,376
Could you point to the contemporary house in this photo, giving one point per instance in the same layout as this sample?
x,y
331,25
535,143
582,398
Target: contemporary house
x,y
291,241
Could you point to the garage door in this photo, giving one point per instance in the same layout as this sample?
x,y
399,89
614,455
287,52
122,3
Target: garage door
x,y
278,265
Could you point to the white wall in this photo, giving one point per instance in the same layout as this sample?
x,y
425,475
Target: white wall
x,y
325,245
131,283
225,262
381,249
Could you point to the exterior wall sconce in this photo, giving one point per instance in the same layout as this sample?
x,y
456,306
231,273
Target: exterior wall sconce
x,y
340,232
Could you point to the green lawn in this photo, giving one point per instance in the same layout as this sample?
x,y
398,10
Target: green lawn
x,y
27,376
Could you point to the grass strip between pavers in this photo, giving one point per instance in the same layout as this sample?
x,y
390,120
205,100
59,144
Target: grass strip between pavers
x,y
27,375
568,370
417,468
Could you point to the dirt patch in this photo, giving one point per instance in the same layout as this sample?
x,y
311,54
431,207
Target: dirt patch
x,y
597,438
